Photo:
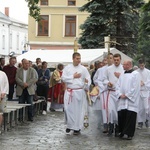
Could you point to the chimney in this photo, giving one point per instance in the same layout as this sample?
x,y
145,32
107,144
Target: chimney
x,y
7,11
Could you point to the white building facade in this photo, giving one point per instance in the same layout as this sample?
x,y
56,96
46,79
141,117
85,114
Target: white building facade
x,y
13,36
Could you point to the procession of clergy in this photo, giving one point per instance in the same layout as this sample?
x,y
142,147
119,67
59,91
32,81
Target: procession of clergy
x,y
120,93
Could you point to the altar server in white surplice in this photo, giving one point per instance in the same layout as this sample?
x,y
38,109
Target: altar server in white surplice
x,y
77,80
128,92
103,90
4,90
95,98
142,116
110,79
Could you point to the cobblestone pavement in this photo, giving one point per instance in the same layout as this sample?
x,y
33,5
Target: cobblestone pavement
x,y
48,133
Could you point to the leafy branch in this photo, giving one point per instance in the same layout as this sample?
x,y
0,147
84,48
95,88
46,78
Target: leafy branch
x,y
34,9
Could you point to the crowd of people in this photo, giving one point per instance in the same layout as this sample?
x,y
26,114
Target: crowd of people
x,y
121,100
27,82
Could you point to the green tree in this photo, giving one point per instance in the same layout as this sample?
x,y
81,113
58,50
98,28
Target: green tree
x,y
34,10
117,18
144,34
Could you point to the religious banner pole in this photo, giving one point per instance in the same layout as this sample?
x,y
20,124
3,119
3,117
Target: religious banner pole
x,y
76,44
107,43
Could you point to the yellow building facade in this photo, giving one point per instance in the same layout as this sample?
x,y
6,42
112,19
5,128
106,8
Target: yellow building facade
x,y
59,25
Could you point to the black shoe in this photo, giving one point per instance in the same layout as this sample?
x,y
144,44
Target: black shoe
x,y
20,120
129,138
76,132
121,135
105,128
110,132
105,131
117,134
140,125
31,119
68,131
111,129
146,124
51,109
116,130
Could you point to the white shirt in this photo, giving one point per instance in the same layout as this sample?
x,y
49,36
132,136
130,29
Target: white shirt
x,y
25,75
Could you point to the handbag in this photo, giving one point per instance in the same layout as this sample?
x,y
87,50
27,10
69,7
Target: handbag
x,y
41,82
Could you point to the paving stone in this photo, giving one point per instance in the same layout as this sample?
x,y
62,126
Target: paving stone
x,y
47,132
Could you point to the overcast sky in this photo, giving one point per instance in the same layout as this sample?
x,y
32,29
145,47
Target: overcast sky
x,y
18,9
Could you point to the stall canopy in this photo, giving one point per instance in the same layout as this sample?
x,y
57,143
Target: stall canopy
x,y
53,57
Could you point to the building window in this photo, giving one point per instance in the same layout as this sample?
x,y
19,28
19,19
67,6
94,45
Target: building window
x,y
44,2
11,40
71,2
3,42
17,42
70,26
43,26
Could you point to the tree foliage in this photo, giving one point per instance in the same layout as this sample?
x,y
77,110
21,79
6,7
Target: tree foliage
x,y
144,34
34,10
117,18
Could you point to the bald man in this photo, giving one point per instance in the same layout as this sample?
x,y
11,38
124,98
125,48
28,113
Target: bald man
x,y
127,91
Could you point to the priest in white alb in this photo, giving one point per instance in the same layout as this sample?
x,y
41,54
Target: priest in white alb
x,y
127,93
142,116
103,90
77,80
110,79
